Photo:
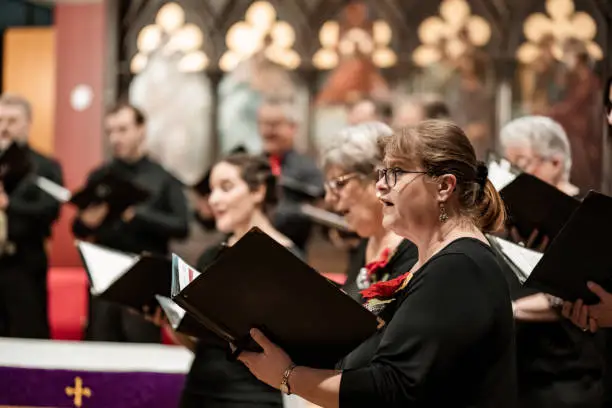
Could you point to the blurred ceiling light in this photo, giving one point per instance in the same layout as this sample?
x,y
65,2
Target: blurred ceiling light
x,y
229,61
138,63
260,14
325,59
170,17
445,31
334,44
187,38
149,38
564,23
171,35
245,38
382,33
194,61
282,34
329,34
384,58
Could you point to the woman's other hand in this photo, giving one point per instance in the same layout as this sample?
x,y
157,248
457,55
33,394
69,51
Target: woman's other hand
x,y
578,313
602,311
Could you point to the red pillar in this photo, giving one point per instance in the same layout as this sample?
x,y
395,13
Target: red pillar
x,y
81,53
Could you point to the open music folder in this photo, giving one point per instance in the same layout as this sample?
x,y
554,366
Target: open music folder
x,y
579,253
127,279
181,321
259,283
521,260
113,189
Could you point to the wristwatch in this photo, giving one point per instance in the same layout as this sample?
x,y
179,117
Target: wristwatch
x,y
284,387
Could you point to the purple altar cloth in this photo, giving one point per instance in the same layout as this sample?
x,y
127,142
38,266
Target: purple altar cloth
x,y
51,388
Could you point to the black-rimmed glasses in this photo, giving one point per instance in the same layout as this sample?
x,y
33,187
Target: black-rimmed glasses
x,y
390,175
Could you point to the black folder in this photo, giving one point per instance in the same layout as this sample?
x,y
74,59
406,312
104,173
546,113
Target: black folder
x,y
15,165
127,279
112,188
259,283
579,253
534,204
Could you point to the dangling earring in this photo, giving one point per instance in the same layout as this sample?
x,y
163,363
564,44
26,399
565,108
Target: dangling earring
x,y
443,213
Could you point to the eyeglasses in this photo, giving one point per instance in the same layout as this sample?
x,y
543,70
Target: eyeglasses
x,y
336,184
390,175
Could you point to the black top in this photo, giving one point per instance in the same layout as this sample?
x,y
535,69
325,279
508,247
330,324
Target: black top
x,y
162,217
214,376
31,211
449,340
401,261
288,217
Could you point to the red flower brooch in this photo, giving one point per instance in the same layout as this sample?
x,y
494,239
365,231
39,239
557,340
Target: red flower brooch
x,y
386,290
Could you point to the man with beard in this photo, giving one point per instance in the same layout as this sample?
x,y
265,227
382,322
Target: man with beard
x,y
27,214
147,227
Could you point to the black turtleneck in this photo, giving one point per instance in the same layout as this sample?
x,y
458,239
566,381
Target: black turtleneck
x,y
162,217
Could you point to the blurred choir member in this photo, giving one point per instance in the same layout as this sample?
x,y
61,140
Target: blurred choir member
x,y
350,161
418,108
147,227
242,194
368,110
559,365
449,334
278,125
26,214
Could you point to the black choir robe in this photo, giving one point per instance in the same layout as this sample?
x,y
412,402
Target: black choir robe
x,y
23,268
163,217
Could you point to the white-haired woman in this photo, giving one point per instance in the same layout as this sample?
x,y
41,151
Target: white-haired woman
x,y
560,365
350,161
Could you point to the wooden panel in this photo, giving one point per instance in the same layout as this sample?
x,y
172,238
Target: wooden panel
x,y
29,70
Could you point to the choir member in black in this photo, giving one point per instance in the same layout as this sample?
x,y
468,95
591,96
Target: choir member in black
x,y
243,191
559,365
147,227
27,214
449,336
278,126
350,160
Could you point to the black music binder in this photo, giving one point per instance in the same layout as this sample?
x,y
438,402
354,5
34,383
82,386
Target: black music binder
x,y
127,279
181,321
579,253
259,283
117,191
534,204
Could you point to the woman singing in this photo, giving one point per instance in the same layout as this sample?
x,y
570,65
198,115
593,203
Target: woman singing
x,y
449,338
349,162
242,188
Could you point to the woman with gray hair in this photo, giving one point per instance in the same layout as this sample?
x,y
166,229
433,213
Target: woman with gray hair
x,y
559,364
350,161
539,146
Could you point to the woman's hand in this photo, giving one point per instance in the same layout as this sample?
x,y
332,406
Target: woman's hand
x,y
578,314
268,366
601,312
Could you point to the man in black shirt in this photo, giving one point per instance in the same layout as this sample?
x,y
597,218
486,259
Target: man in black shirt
x,y
148,227
299,176
27,214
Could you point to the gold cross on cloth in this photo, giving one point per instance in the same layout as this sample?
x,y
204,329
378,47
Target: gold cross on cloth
x,y
78,392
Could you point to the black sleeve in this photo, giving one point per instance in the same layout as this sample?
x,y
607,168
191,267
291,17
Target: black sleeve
x,y
444,313
30,210
173,223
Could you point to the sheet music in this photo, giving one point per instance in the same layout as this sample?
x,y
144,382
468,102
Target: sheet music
x,y
500,174
56,191
523,258
173,312
104,266
186,274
